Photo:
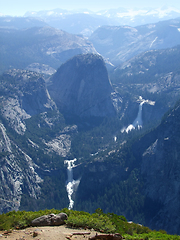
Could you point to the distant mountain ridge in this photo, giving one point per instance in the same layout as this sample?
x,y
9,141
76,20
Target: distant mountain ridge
x,y
85,21
121,43
46,48
44,45
20,23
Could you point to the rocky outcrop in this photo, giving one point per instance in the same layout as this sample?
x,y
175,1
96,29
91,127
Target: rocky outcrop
x,y
61,145
24,95
17,174
81,87
50,220
41,68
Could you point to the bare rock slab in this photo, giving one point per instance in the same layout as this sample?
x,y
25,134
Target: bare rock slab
x,y
50,220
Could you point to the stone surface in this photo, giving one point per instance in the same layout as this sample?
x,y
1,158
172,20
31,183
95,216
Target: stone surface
x,y
50,220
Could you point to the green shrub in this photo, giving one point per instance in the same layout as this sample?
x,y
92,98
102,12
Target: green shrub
x,y
99,221
21,219
96,221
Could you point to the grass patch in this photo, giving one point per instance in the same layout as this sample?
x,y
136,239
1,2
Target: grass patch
x,y
99,221
21,219
153,235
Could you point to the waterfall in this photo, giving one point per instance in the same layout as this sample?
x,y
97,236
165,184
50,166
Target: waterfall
x,y
72,184
138,121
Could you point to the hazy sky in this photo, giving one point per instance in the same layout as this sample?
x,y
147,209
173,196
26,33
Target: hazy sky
x,y
20,7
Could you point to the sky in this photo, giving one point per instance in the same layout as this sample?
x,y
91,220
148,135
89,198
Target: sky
x,y
20,7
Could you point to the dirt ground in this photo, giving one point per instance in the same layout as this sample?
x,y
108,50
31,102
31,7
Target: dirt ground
x,y
45,233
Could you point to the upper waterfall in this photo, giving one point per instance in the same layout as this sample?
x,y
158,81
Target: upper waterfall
x,y
138,121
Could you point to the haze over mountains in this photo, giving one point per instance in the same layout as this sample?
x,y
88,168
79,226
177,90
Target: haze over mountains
x,y
49,46
85,22
66,96
119,44
44,45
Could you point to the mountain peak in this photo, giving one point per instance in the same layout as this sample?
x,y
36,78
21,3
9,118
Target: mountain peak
x,y
81,87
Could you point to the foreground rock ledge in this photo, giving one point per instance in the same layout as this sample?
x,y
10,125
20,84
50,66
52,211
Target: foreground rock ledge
x,y
50,220
115,236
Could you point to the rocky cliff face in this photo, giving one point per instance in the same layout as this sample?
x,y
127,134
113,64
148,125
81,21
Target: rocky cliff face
x,y
81,87
24,95
160,167
155,76
24,107
17,175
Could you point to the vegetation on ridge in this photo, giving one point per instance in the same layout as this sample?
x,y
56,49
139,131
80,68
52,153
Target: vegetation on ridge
x,y
99,221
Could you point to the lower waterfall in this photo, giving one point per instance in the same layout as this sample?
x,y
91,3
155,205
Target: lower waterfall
x,y
72,184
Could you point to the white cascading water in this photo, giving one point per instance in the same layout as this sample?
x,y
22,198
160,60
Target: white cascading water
x,y
115,138
72,184
138,121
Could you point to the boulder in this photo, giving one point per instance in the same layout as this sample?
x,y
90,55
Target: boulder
x,y
50,220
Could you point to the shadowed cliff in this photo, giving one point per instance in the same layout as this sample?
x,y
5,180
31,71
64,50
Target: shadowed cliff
x,y
81,87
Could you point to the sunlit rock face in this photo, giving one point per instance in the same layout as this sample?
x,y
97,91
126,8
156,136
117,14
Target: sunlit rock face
x,y
17,174
24,95
81,87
